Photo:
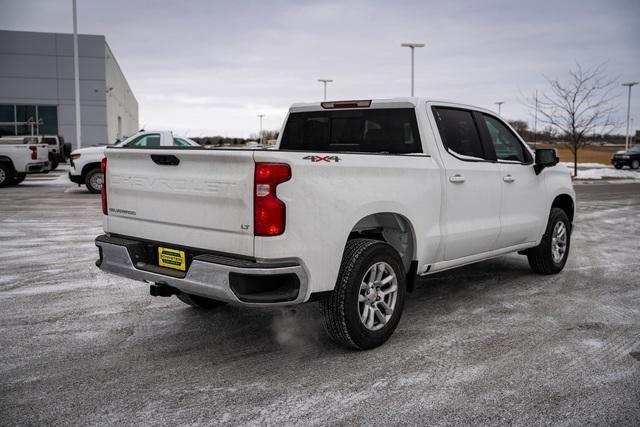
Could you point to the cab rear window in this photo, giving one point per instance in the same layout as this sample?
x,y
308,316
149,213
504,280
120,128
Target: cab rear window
x,y
393,131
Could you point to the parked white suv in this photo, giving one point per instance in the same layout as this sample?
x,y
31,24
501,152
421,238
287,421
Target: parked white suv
x,y
85,162
359,199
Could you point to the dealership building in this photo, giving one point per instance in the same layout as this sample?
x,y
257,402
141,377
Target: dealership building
x,y
37,84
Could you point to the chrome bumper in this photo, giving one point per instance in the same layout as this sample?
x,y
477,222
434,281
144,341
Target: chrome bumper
x,y
206,276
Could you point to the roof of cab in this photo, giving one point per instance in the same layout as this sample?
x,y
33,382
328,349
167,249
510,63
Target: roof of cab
x,y
403,102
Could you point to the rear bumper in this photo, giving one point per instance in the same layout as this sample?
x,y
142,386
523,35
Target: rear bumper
x,y
212,276
39,167
621,162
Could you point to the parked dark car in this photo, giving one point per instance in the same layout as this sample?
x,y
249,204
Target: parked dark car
x,y
630,158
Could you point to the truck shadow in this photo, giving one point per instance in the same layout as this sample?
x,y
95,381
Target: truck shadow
x,y
237,333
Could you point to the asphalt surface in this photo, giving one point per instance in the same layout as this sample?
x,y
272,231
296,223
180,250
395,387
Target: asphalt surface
x,y
491,343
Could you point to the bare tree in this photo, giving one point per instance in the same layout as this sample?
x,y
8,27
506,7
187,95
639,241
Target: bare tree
x,y
579,106
521,127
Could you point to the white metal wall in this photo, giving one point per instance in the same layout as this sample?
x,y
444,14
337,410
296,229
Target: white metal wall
x,y
121,103
37,69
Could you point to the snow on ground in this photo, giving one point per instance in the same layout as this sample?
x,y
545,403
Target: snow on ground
x,y
604,173
586,165
599,171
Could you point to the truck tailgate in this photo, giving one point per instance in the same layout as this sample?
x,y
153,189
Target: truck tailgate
x,y
43,153
204,201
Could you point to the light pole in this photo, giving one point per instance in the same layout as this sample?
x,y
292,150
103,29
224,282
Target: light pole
x,y
535,124
499,104
260,134
76,74
413,47
629,85
325,81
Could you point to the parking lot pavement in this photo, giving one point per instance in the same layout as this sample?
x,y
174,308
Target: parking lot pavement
x,y
490,343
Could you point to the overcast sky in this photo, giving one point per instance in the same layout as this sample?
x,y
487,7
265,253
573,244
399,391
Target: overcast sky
x,y
207,68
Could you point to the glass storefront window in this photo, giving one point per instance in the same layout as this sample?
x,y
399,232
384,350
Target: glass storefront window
x,y
46,114
24,113
7,115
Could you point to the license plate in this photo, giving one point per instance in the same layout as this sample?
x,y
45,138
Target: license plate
x,y
171,258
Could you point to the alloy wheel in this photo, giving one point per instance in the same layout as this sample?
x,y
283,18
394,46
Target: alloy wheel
x,y
378,296
558,242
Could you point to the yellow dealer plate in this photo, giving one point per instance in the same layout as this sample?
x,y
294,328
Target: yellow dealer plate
x,y
171,258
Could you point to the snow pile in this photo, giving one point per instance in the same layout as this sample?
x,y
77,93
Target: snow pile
x,y
604,173
586,165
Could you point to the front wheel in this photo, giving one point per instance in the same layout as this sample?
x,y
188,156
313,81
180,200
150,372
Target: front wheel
x,y
550,256
617,166
93,180
365,307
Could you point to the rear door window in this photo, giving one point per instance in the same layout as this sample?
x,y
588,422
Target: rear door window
x,y
149,140
459,133
393,131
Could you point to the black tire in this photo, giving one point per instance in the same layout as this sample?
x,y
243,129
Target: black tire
x,y
635,164
54,162
540,258
341,315
19,177
90,178
617,166
198,301
7,176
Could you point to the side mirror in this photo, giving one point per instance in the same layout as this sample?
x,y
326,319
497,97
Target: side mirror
x,y
545,158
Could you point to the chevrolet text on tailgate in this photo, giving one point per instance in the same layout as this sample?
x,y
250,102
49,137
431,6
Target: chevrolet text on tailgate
x,y
359,199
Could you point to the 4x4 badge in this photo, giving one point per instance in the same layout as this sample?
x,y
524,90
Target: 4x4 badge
x,y
317,159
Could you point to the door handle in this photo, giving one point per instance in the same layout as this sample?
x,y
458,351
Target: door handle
x,y
165,159
457,179
508,178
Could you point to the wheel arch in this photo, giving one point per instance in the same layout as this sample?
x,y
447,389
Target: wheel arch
x,y
7,160
392,228
86,168
566,203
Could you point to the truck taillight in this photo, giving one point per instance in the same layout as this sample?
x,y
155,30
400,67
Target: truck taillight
x,y
34,152
103,193
269,211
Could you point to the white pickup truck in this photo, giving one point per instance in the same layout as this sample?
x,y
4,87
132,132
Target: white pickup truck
x,y
19,159
359,199
85,162
55,144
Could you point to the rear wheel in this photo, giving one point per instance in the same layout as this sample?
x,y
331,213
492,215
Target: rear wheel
x,y
365,307
6,175
635,164
198,301
550,256
19,177
93,180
